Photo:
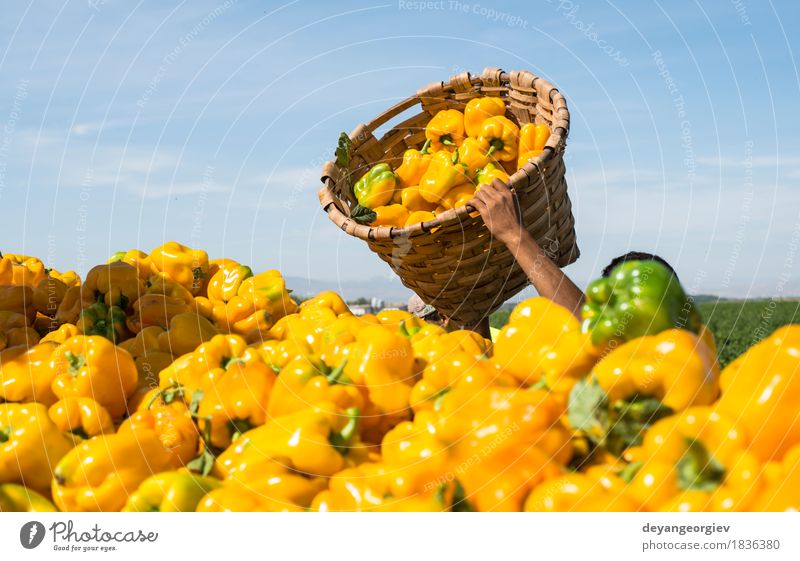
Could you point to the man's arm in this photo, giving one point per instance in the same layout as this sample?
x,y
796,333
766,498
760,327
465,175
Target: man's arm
x,y
499,208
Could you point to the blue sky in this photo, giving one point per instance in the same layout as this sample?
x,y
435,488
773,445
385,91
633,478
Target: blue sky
x,y
124,124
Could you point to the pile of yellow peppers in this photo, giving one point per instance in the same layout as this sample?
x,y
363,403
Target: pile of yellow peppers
x,y
462,152
170,382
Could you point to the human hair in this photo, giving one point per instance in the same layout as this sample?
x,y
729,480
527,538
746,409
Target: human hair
x,y
636,256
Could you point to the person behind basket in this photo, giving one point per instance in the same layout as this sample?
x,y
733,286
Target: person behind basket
x,y
498,206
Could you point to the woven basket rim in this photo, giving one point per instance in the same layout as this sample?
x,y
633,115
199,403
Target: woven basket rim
x,y
328,196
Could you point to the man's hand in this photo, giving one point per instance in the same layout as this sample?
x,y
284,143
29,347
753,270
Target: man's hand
x,y
500,211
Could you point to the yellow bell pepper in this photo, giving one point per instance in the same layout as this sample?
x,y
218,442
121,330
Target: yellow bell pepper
x,y
532,139
135,258
382,360
327,299
99,474
366,488
70,307
18,498
155,310
307,381
273,488
317,441
499,137
237,402
419,216
30,445
64,332
488,174
473,155
27,271
415,163
225,283
48,294
596,490
543,343
695,461
18,299
759,389
478,110
187,331
267,291
390,215
504,442
92,366
782,485
81,416
640,382
444,172
170,491
446,130
25,374
115,284
458,196
188,267
411,198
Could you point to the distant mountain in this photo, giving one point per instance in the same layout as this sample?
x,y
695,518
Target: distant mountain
x,y
390,289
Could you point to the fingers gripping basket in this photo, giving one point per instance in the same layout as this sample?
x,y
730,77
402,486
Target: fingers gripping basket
x,y
452,262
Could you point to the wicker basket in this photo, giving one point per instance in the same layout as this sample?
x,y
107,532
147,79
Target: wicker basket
x,y
452,262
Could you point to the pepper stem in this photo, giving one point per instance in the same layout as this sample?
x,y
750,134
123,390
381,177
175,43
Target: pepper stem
x,y
447,140
341,440
698,469
426,146
74,363
5,434
495,144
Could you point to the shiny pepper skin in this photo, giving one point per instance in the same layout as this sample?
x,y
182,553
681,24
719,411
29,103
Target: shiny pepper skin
x,y
532,140
673,366
492,428
24,374
135,258
473,155
267,291
445,130
225,283
99,474
376,187
81,416
760,390
187,331
490,172
18,498
382,360
317,441
30,445
543,342
186,266
170,491
596,490
415,163
695,461
273,487
155,310
478,110
782,488
114,284
499,137
390,215
92,366
444,172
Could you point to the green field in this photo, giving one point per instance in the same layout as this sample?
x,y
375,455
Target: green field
x,y
736,324
739,324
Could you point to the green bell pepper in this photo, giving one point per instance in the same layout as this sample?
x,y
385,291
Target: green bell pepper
x,y
376,187
638,298
108,322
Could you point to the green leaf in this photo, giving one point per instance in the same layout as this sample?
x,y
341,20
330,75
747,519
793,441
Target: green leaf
x,y
343,151
362,214
588,409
